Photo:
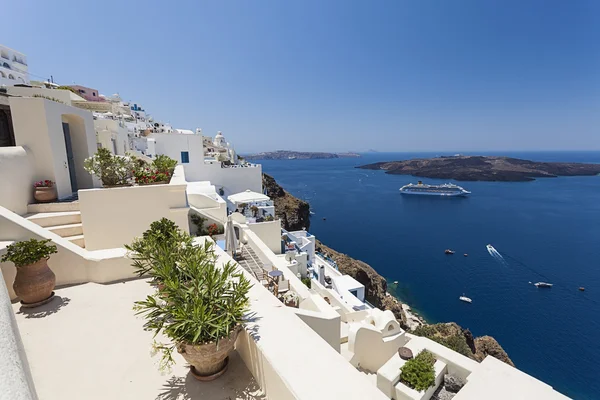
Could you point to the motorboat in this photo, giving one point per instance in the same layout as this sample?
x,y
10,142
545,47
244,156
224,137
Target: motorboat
x,y
543,285
465,299
581,289
448,251
466,255
395,282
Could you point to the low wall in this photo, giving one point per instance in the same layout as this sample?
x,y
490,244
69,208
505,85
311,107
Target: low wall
x,y
15,377
71,264
270,234
233,180
327,326
112,217
16,179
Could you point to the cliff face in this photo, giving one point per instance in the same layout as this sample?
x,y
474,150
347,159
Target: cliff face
x,y
293,212
375,284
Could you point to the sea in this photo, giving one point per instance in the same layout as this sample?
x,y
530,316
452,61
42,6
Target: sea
x,y
543,230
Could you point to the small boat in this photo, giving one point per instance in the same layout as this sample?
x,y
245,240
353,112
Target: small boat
x,y
466,255
581,289
448,251
465,299
543,284
490,247
395,282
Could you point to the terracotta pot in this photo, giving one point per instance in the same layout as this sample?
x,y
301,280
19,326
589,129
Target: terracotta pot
x,y
45,194
208,361
34,282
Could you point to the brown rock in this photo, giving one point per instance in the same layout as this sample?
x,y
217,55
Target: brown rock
x,y
293,212
487,345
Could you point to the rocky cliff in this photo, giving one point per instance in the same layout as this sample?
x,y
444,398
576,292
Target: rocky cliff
x,y
294,214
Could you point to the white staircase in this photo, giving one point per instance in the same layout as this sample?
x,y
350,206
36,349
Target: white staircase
x,y
64,219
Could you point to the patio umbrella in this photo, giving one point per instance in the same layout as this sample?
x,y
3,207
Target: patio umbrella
x,y
231,243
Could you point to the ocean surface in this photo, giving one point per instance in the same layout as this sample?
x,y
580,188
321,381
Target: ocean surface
x,y
545,230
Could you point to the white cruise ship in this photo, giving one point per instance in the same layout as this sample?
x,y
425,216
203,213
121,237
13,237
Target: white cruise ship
x,y
447,189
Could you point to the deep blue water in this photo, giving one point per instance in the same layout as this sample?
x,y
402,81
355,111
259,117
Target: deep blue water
x,y
546,230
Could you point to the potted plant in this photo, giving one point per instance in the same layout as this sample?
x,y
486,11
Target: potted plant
x,y
418,373
164,164
201,314
35,281
112,170
44,191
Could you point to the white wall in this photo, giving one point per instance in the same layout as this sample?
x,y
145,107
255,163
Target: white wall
x,y
270,233
326,325
114,217
16,179
37,126
109,129
233,180
172,144
71,264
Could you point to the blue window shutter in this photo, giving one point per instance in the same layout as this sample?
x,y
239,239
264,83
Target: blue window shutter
x,y
185,157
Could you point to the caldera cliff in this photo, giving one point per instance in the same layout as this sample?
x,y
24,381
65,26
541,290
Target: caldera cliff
x,y
295,215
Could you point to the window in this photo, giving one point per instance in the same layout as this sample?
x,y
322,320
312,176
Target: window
x,y
11,77
81,91
354,293
94,94
185,157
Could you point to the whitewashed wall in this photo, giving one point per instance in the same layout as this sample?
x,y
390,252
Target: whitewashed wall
x,y
172,144
16,179
233,180
270,234
112,217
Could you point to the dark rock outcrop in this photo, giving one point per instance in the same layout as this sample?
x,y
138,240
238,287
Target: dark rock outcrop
x,y
483,168
293,212
487,345
453,383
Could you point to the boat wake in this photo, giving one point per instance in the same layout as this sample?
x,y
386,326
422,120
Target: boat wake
x,y
496,254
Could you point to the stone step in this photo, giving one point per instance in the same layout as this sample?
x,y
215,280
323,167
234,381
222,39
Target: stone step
x,y
48,219
77,239
67,230
53,207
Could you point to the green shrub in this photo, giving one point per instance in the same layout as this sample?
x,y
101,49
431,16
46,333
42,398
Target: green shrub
x,y
456,342
28,252
306,282
111,169
204,303
418,373
199,222
150,253
164,164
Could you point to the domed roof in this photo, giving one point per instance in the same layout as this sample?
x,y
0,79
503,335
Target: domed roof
x,y
219,134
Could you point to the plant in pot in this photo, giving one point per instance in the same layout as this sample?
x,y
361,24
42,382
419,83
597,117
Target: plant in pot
x,y
112,170
164,164
291,299
157,252
201,312
35,281
419,373
44,191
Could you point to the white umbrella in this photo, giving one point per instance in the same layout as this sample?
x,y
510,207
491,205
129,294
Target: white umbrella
x,y
231,243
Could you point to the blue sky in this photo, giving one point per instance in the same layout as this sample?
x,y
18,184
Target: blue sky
x,y
462,75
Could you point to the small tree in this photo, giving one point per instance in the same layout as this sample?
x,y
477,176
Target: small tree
x,y
111,169
28,252
418,373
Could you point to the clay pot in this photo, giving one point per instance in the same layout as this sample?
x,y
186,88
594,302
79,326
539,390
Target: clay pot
x,y
208,361
45,194
34,282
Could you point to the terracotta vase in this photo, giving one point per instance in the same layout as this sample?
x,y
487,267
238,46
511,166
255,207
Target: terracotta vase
x,y
208,361
45,194
34,282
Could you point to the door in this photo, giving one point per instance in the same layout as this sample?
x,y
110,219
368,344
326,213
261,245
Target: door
x,y
70,161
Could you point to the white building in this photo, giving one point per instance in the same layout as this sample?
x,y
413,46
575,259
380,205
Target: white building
x,y
111,133
13,67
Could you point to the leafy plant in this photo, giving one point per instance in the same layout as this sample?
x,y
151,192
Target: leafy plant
x,y
155,253
418,373
48,98
202,304
68,88
28,252
199,222
306,282
111,169
164,164
269,218
442,334
215,229
44,183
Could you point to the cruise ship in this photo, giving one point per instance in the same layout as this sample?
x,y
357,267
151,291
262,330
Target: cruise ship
x,y
447,189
